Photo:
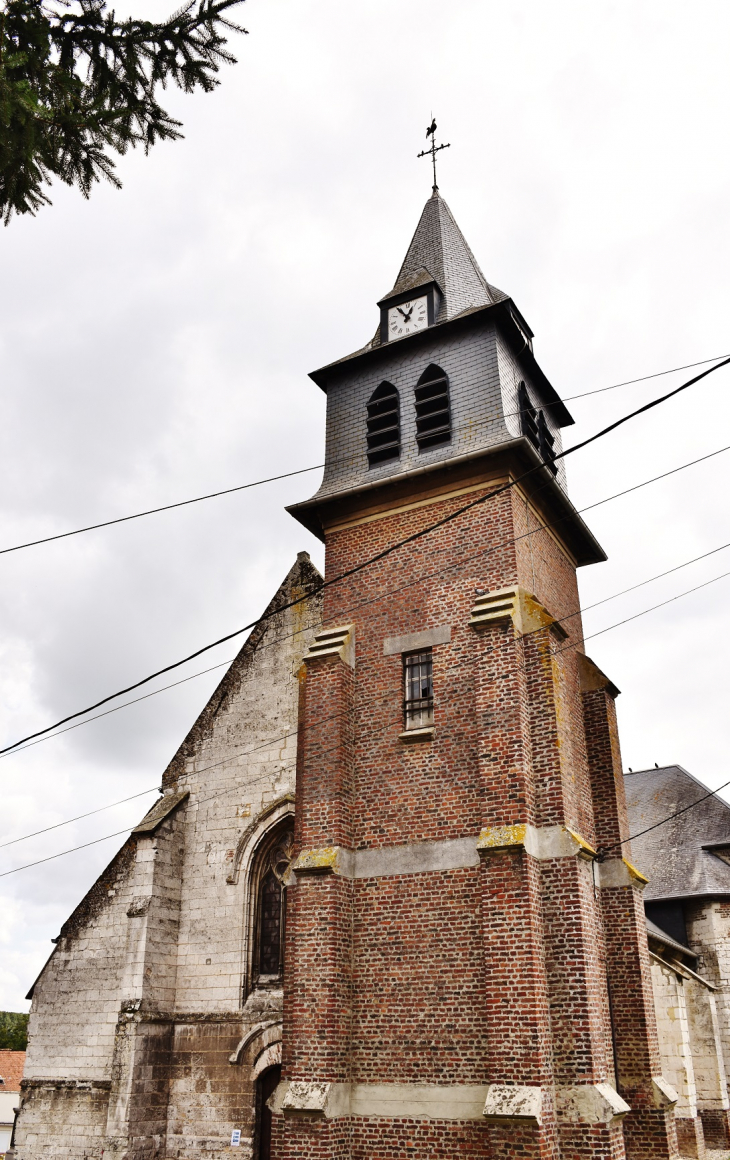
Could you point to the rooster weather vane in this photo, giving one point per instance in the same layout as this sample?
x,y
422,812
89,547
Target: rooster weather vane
x,y
434,149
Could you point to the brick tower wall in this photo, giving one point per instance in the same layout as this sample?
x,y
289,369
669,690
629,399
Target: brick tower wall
x,y
422,968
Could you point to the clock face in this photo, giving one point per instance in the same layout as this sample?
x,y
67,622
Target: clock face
x,y
407,317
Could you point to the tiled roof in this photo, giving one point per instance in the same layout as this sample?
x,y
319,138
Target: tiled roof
x,y
672,855
11,1070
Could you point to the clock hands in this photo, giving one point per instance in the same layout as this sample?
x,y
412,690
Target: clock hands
x,y
405,316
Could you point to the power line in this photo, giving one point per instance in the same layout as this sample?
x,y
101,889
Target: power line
x,y
653,608
108,837
663,822
613,596
651,579
465,663
315,467
506,543
643,379
153,511
51,857
378,556
78,818
116,709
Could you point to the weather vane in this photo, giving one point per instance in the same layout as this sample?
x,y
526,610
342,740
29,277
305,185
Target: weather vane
x,y
431,132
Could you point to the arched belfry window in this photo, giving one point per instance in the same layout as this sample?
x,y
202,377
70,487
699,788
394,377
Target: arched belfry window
x,y
534,426
268,906
383,424
433,413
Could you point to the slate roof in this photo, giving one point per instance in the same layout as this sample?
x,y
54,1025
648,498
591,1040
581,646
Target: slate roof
x,y
11,1070
656,933
674,856
439,252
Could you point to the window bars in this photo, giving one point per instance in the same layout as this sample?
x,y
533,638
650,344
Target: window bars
x,y
418,685
383,424
433,413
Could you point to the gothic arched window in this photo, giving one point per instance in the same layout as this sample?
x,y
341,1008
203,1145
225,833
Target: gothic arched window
x,y
268,906
271,925
433,413
383,424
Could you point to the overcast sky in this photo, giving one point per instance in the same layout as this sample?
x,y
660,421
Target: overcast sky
x,y
155,344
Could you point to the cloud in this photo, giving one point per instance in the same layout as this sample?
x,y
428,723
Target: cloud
x,y
155,344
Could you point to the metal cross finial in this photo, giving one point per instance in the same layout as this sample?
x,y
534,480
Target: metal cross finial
x,y
431,132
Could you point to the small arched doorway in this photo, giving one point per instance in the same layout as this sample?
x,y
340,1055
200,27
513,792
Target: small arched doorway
x,y
266,1085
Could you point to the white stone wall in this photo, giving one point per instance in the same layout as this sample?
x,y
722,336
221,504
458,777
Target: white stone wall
x,y
76,999
147,980
708,935
674,1038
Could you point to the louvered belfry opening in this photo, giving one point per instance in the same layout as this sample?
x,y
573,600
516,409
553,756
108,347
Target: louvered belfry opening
x,y
534,427
528,416
383,424
433,413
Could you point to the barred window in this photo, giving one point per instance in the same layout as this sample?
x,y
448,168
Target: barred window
x,y
433,413
418,682
383,424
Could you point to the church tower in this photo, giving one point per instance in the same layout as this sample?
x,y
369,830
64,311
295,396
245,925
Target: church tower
x,y
467,974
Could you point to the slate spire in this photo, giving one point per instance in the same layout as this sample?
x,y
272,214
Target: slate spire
x,y
439,251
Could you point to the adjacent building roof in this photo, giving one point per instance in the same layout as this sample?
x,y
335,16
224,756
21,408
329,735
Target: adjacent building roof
x,y
11,1070
657,935
684,857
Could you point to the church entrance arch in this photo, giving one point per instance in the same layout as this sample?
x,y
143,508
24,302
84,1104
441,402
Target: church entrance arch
x,y
266,1085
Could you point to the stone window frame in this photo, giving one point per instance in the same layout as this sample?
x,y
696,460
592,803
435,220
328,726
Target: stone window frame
x,y
418,711
276,816
272,854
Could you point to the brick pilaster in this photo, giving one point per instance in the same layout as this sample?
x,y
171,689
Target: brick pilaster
x,y
649,1130
318,977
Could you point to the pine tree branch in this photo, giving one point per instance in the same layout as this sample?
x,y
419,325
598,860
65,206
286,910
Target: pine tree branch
x,y
77,85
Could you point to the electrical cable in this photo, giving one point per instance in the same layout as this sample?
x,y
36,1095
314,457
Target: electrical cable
x,y
271,741
78,818
51,857
116,709
419,580
314,467
379,555
628,619
616,845
202,672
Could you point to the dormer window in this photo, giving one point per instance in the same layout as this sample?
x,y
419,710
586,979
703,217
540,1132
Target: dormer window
x,y
383,424
534,427
433,413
